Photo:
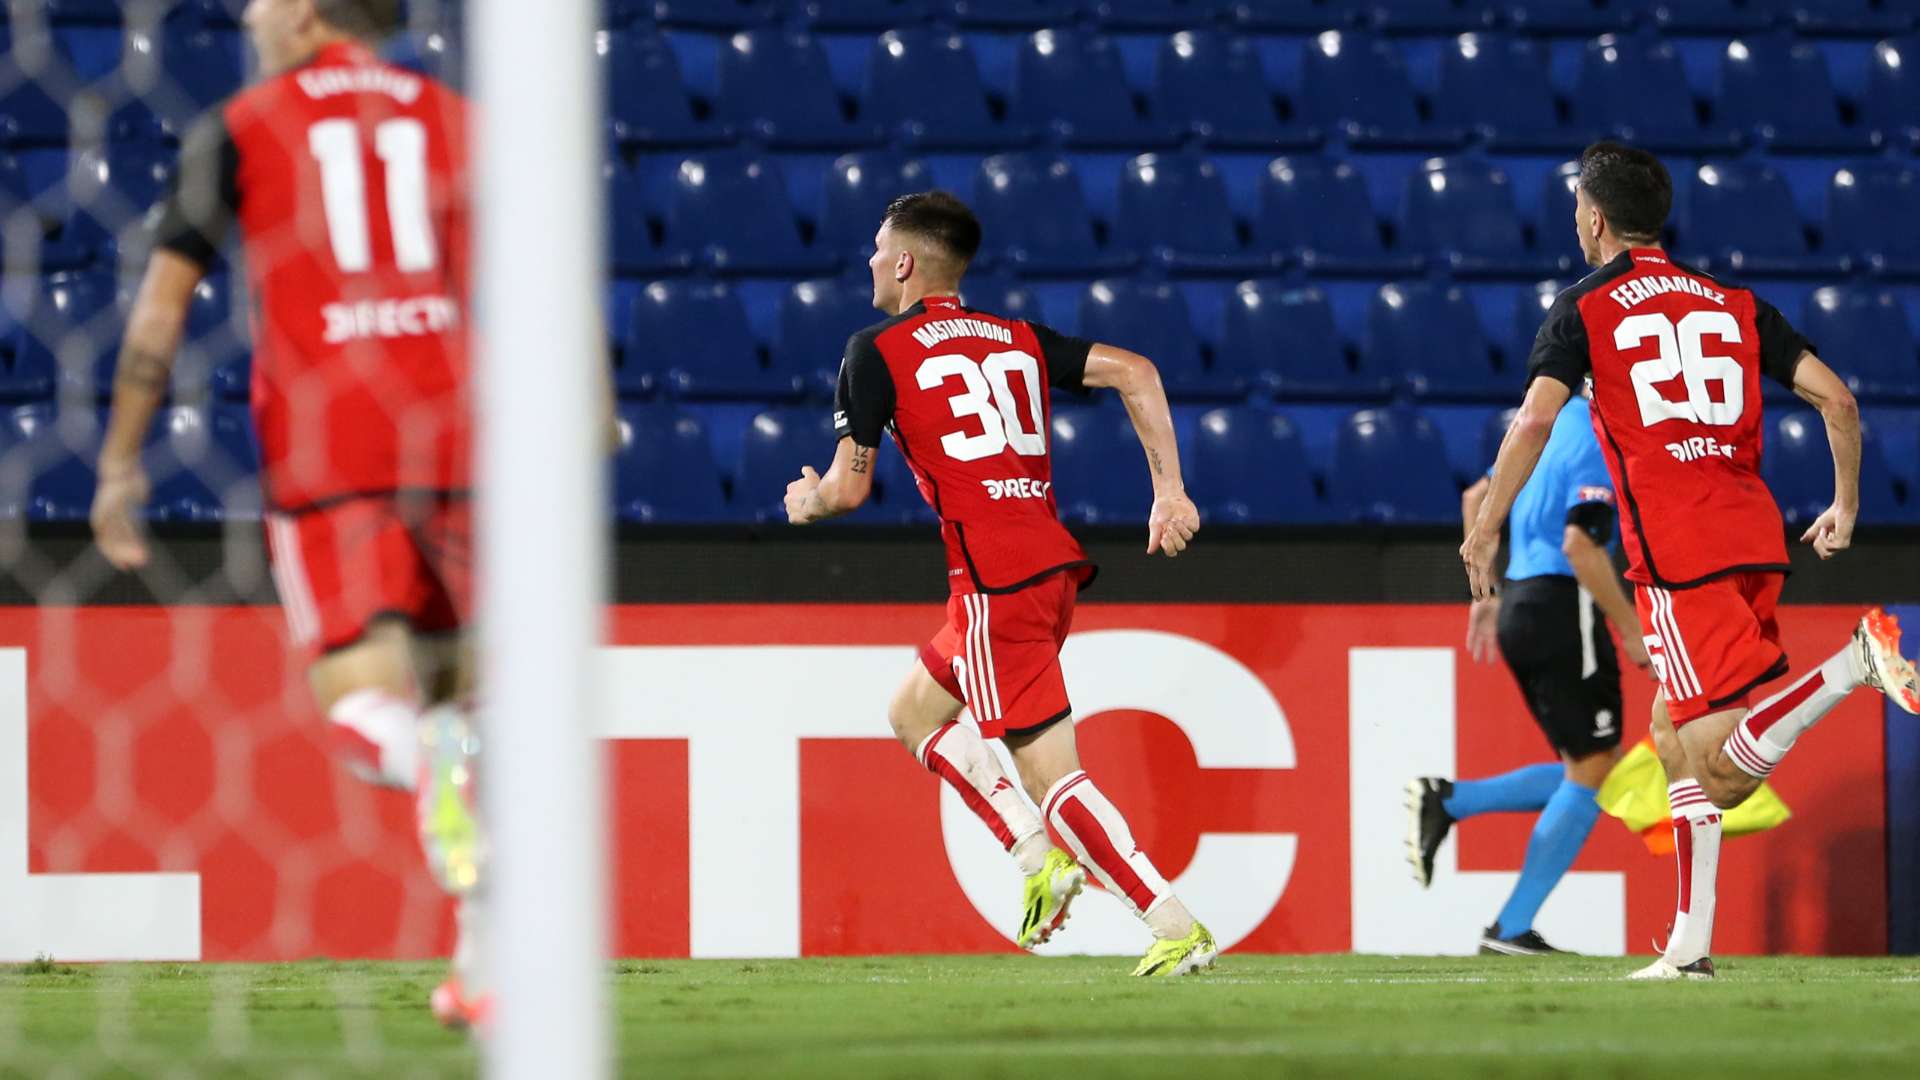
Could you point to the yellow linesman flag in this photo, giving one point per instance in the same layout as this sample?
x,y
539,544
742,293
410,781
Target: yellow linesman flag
x,y
1636,793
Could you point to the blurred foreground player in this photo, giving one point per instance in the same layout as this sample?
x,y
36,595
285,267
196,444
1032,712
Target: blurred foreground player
x,y
1674,359
964,394
1560,578
347,178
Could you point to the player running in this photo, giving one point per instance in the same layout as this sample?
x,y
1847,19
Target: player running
x,y
347,178
1674,358
964,394
1558,574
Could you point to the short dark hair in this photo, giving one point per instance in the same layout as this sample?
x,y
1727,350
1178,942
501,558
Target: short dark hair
x,y
938,216
1629,185
371,19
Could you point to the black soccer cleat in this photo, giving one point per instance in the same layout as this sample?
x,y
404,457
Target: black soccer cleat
x,y
1427,824
1529,943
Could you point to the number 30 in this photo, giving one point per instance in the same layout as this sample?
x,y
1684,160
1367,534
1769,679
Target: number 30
x,y
987,396
1681,354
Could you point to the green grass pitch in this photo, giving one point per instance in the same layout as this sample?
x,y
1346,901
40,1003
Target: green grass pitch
x,y
1002,1016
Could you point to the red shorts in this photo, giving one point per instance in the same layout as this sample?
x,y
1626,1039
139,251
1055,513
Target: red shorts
x,y
341,566
1714,644
1001,655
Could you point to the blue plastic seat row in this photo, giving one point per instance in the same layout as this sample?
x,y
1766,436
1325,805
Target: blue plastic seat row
x,y
203,464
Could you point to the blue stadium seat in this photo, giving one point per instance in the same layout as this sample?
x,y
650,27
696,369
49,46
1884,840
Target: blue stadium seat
x,y
729,213
1173,210
816,319
1461,212
1429,16
1891,104
83,12
1212,85
692,337
1281,340
1431,334
1710,16
1071,84
663,471
774,445
30,114
1099,470
1149,14
1492,434
1635,88
1842,17
1741,217
1569,16
1873,214
232,469
205,65
775,85
180,460
1152,319
1035,218
1797,465
858,188
1390,468
432,53
1268,15
69,334
1863,334
632,244
1028,14
1780,91
217,335
924,87
647,99
1248,467
1554,232
1001,296
1529,311
863,14
1358,85
1498,86
902,500
712,14
1319,209
108,192
54,456
219,14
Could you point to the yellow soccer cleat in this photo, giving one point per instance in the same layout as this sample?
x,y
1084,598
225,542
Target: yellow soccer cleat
x,y
1049,893
1195,952
444,804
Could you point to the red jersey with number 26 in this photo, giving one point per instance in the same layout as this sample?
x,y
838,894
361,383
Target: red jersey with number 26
x,y
1675,358
964,394
347,177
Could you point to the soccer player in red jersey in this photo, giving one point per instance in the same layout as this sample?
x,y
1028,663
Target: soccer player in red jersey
x,y
964,394
1673,358
347,179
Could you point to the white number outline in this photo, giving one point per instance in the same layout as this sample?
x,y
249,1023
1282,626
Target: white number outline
x,y
988,396
1682,353
401,145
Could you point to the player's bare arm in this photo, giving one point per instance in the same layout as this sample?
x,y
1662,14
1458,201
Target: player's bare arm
x,y
1174,519
848,482
154,329
1483,616
1519,453
1593,569
1818,386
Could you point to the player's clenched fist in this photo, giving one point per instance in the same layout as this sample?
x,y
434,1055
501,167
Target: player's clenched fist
x,y
120,495
800,495
1171,524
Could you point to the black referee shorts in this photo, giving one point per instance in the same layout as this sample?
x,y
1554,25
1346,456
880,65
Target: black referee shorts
x,y
1556,643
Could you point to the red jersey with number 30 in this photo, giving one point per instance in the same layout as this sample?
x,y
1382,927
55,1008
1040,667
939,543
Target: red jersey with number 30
x,y
1674,357
347,178
964,394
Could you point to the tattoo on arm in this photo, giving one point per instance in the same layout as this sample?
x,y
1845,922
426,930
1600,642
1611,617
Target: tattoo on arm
x,y
862,459
141,369
1153,455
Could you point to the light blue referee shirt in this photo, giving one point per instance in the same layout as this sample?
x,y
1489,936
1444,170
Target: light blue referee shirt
x,y
1571,474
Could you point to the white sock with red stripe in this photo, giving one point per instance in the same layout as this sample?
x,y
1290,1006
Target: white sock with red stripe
x,y
1767,732
1098,836
1696,853
377,735
955,753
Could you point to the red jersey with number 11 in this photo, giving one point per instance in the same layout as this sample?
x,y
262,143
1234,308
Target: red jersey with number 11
x,y
964,394
1675,357
347,177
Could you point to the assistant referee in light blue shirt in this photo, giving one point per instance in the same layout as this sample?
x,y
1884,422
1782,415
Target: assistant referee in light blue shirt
x,y
1560,580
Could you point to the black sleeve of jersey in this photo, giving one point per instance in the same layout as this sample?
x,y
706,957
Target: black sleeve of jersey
x,y
1780,344
863,399
199,208
1595,519
1066,358
1560,348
